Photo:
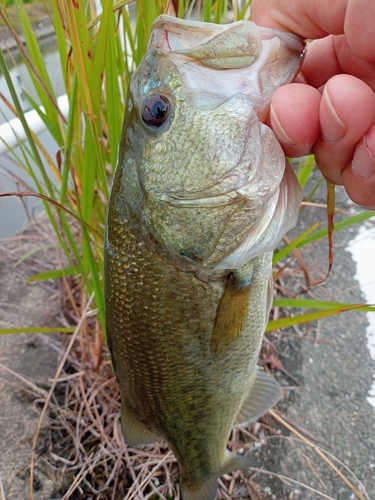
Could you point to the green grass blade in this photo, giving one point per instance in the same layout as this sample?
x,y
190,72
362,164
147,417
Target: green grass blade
x,y
114,105
36,329
295,243
61,39
305,318
35,53
219,10
305,169
20,114
207,11
349,221
37,70
51,122
54,274
319,304
67,150
33,252
315,189
242,13
181,9
95,273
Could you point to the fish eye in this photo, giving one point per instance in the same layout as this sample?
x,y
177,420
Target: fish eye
x,y
155,110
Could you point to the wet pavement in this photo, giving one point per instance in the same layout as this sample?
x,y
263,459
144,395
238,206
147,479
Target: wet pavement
x,y
336,374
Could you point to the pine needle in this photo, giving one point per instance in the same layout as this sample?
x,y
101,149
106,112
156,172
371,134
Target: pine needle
x,y
319,452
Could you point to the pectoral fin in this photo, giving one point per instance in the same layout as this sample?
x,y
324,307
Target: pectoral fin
x,y
231,317
233,308
263,394
135,433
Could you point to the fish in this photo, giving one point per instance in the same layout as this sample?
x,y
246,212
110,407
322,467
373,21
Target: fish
x,y
201,195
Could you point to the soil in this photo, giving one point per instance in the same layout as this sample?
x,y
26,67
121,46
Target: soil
x,y
25,355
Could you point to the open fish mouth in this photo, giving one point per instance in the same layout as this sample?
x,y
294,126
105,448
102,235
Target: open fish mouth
x,y
199,50
184,36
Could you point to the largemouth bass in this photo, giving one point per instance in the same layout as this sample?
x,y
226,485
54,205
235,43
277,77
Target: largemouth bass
x,y
201,195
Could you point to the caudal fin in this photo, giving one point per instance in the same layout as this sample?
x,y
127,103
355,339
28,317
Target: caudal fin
x,y
207,490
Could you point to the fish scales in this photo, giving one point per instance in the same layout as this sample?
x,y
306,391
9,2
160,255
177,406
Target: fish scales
x,y
177,369
200,196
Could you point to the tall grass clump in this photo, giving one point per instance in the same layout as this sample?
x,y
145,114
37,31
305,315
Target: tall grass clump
x,y
98,50
97,56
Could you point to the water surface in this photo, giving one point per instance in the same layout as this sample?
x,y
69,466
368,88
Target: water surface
x,y
15,212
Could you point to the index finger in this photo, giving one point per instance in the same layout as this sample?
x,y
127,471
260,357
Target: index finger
x,y
332,56
318,18
308,19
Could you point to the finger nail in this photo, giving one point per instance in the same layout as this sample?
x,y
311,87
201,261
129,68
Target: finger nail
x,y
332,127
364,155
278,129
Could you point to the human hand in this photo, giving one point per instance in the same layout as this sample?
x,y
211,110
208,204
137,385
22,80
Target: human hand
x,y
331,110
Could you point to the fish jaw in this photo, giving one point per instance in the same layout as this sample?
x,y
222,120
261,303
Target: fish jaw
x,y
260,59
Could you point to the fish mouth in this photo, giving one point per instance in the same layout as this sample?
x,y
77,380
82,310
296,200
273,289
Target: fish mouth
x,y
250,60
172,34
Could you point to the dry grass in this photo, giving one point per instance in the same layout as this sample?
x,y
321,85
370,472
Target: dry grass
x,y
81,448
